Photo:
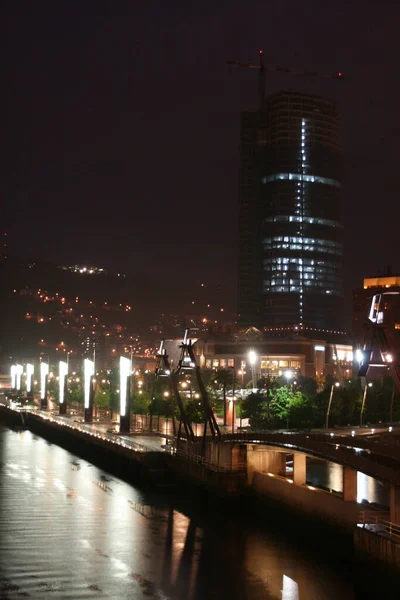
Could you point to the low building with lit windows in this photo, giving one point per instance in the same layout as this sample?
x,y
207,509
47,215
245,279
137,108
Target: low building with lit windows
x,y
302,356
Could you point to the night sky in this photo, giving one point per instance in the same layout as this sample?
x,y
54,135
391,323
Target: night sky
x,y
120,126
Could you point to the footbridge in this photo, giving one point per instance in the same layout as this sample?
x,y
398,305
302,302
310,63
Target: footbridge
x,y
264,456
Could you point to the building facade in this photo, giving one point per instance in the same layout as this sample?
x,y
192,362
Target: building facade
x,y
298,356
388,288
290,235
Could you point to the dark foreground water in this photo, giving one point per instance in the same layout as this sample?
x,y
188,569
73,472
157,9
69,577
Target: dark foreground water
x,y
69,530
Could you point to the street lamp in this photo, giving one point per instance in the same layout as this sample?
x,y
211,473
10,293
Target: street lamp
x,y
252,361
363,402
288,375
337,384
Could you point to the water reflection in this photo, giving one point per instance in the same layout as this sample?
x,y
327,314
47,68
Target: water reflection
x,y
328,475
69,529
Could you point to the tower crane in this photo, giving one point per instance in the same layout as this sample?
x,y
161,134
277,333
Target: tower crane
x,y
263,69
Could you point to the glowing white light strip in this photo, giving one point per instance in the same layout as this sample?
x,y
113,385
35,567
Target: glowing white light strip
x,y
125,369
88,370
372,310
13,376
29,375
62,372
298,177
20,370
44,371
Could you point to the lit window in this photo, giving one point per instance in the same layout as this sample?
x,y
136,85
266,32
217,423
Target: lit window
x,y
397,325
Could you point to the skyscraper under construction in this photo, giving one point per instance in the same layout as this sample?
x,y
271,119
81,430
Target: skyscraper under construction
x,y
290,250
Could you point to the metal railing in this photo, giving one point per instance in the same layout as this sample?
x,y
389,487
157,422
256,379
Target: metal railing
x,y
92,431
376,522
206,462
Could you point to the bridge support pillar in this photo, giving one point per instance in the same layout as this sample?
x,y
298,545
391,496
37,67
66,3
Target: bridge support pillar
x,y
395,504
349,484
299,468
265,461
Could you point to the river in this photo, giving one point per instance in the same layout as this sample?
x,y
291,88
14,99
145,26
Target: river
x,y
70,530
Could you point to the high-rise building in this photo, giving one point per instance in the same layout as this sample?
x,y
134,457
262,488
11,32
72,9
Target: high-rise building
x,y
290,252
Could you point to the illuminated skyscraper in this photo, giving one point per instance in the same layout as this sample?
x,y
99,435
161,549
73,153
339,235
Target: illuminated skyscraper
x,y
291,252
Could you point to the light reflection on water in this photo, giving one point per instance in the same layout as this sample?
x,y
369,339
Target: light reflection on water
x,y
329,475
70,530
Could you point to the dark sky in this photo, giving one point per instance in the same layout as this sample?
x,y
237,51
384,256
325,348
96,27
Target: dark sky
x,y
120,126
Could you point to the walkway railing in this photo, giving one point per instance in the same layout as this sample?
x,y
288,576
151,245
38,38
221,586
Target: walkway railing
x,y
92,431
372,521
205,462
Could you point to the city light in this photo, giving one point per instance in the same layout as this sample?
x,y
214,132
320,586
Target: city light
x,y
288,374
19,371
125,369
359,355
44,371
29,375
252,357
88,370
62,373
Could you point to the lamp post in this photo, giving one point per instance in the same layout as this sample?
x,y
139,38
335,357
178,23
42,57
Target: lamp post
x,y
252,361
289,376
363,402
233,399
328,410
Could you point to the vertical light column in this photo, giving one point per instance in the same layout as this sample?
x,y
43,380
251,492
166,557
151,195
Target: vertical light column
x,y
19,371
300,212
62,374
44,371
88,371
125,371
13,373
29,375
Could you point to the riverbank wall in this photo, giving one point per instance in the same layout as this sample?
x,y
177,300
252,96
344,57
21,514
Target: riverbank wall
x,y
161,470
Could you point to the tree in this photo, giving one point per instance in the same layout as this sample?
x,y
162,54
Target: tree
x,y
280,406
140,403
194,411
301,414
255,407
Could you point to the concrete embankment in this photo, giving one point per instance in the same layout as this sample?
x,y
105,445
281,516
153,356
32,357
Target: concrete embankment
x,y
158,469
